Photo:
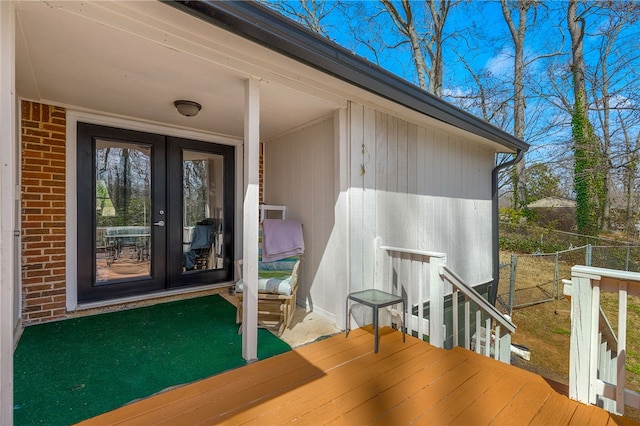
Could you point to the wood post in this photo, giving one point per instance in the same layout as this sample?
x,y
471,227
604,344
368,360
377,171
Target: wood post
x,y
580,342
8,225
250,221
436,302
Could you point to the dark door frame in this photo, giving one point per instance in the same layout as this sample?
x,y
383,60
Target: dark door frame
x,y
166,261
177,278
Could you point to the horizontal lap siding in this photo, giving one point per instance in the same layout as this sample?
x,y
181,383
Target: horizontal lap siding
x,y
418,187
299,173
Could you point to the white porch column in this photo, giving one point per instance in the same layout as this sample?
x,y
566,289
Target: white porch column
x,y
436,302
582,362
250,220
8,166
341,258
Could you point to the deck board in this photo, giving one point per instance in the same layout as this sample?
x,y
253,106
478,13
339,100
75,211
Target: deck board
x,y
483,409
392,367
378,395
555,411
341,381
525,405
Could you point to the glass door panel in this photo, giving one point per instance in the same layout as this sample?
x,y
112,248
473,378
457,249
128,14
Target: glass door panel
x,y
123,205
154,212
201,197
121,212
203,212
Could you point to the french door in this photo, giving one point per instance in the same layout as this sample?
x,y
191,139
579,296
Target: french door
x,y
154,212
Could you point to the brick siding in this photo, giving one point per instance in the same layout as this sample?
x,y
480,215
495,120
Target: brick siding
x,y
43,136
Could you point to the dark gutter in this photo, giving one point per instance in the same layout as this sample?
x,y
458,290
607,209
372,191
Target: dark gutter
x,y
274,31
495,216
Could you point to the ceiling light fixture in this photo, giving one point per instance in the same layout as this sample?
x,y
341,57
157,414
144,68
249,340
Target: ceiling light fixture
x,y
187,108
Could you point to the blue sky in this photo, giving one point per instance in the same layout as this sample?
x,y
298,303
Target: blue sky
x,y
476,31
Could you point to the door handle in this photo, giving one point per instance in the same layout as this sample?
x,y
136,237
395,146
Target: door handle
x,y
159,223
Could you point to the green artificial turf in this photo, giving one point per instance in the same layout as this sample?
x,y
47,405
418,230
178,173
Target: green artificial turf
x,y
71,370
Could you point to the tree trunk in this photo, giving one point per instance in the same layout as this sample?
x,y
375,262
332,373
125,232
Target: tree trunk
x,y
438,17
407,27
587,177
608,193
519,101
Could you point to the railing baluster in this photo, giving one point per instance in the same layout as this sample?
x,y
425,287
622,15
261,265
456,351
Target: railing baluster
x,y
434,279
497,344
454,309
467,323
421,285
593,352
479,332
594,370
622,345
487,337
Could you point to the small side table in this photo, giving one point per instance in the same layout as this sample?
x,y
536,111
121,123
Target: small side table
x,y
376,299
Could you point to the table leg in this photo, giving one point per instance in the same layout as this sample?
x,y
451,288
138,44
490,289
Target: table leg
x,y
346,321
404,319
375,330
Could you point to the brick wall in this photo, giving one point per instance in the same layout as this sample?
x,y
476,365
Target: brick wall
x,y
43,135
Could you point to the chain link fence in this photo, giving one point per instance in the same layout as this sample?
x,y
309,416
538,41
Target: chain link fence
x,y
529,279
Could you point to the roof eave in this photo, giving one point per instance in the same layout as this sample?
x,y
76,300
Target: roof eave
x,y
276,32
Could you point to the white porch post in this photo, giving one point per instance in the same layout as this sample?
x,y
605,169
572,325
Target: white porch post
x,y
250,220
8,167
581,362
436,302
341,260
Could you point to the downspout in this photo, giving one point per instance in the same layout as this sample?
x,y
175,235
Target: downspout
x,y
493,291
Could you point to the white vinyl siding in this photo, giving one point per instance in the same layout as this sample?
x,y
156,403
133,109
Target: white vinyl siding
x,y
299,173
410,186
417,188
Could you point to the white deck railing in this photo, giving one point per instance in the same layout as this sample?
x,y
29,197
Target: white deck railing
x,y
423,278
499,338
597,354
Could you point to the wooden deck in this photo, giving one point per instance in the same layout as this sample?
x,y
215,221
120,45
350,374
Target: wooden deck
x,y
341,381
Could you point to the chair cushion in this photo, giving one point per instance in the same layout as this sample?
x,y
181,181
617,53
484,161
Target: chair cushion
x,y
280,285
273,277
280,267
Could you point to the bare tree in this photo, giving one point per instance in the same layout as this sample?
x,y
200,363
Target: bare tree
x,y
610,75
588,179
439,11
311,13
629,176
424,32
404,21
518,31
583,124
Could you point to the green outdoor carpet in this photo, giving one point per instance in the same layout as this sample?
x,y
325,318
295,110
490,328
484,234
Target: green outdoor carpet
x,y
71,370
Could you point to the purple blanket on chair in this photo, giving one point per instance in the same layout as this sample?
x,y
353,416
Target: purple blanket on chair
x,y
281,239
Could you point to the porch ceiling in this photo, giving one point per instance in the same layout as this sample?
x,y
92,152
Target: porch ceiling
x,y
135,59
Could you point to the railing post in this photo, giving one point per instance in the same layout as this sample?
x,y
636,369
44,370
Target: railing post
x,y
580,354
556,278
512,281
505,346
622,345
626,263
436,302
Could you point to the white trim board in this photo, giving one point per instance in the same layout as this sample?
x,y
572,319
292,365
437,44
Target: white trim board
x,y
9,194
